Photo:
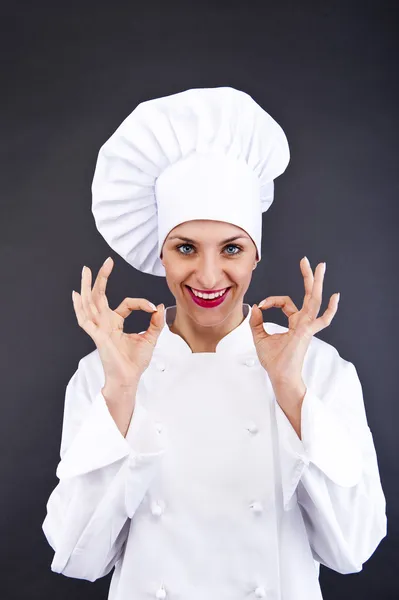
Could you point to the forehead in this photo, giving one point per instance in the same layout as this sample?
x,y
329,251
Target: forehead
x,y
203,228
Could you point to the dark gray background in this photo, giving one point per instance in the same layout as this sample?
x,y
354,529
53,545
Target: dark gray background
x,y
327,72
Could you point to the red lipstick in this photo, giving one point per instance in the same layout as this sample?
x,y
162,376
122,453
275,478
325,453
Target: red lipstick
x,y
208,303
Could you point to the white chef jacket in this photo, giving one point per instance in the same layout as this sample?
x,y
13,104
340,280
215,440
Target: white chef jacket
x,y
212,495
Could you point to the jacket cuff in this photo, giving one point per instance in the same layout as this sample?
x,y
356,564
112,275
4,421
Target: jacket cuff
x,y
99,442
326,442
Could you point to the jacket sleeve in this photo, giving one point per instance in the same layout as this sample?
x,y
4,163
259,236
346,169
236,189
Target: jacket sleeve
x,y
333,470
103,477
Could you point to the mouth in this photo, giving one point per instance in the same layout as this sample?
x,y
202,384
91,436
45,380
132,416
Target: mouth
x,y
208,303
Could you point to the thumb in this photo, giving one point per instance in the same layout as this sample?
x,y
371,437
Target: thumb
x,y
157,321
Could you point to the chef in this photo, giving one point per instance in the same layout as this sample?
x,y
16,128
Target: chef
x,y
248,460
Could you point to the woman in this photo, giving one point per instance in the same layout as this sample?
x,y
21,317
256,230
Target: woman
x,y
212,456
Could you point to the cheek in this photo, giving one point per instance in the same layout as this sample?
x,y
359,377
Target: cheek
x,y
176,273
243,271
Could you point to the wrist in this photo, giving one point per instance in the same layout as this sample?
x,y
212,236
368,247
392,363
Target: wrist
x,y
281,384
290,396
119,390
122,384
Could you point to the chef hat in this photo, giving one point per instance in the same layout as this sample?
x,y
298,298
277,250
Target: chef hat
x,y
204,153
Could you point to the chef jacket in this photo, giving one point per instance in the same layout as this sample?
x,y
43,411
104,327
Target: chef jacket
x,y
212,495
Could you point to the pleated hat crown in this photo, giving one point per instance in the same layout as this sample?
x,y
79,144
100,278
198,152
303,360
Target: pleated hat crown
x,y
204,153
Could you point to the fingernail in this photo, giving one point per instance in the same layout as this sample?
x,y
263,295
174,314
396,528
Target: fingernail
x,y
83,270
109,258
261,303
339,295
306,258
73,294
153,306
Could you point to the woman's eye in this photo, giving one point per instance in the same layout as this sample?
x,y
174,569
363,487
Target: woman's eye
x,y
234,246
228,246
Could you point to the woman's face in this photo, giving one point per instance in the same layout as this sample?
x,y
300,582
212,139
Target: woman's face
x,y
208,263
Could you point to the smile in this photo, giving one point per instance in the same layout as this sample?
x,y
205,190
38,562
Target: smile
x,y
208,303
207,296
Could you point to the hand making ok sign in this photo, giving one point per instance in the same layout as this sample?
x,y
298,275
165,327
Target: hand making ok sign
x,y
282,354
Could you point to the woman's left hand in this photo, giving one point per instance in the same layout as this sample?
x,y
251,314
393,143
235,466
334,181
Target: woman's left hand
x,y
282,354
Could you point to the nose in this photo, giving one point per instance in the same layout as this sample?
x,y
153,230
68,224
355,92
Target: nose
x,y
210,275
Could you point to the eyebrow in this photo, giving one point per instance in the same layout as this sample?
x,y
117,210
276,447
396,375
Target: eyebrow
x,y
236,237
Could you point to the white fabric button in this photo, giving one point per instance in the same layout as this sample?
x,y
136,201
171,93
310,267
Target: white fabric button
x,y
256,507
161,593
157,508
135,460
252,427
250,362
159,427
160,366
260,592
132,461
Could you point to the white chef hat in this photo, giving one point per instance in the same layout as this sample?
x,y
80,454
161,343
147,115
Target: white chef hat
x,y
204,153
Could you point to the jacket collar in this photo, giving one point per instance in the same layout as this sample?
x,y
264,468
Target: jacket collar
x,y
237,341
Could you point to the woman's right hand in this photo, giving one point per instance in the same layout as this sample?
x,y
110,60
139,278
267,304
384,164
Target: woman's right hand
x,y
125,356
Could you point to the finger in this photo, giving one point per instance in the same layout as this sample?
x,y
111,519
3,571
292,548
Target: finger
x,y
84,322
256,322
100,285
325,319
315,300
283,302
156,324
87,302
129,304
307,273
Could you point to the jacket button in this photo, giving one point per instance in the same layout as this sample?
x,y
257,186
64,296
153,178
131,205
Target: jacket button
x,y
136,460
157,509
260,592
250,362
256,507
252,428
161,593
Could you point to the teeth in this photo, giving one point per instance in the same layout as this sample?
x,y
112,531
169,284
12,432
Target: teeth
x,y
208,296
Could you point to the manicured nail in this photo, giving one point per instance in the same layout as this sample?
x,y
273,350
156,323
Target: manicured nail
x,y
83,270
261,303
73,295
109,258
338,297
306,258
153,306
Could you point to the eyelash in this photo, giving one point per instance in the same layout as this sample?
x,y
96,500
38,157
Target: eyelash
x,y
228,246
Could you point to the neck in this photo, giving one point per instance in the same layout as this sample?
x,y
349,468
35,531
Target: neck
x,y
205,338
